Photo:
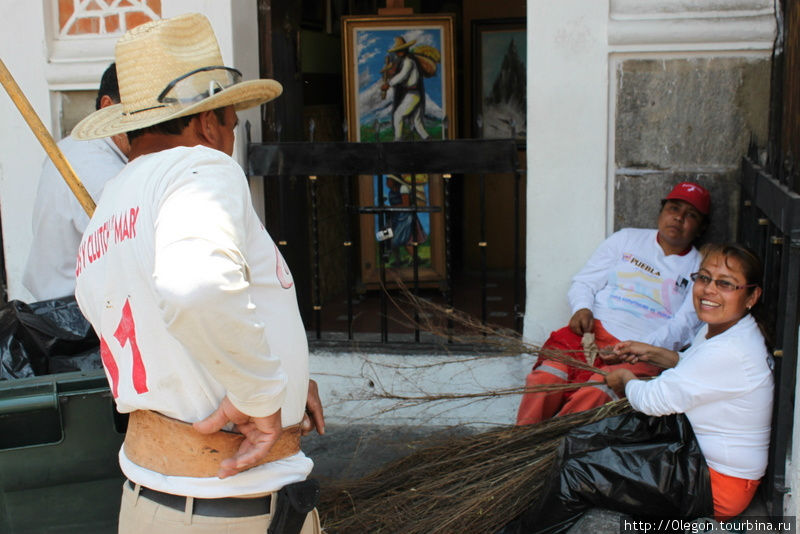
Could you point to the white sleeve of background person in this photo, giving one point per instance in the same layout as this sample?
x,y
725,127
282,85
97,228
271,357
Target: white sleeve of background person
x,y
680,330
58,220
594,275
724,386
203,280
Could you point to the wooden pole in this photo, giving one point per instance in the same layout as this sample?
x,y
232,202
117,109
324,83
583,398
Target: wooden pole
x,y
44,137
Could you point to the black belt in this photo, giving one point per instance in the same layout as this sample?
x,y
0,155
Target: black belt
x,y
223,507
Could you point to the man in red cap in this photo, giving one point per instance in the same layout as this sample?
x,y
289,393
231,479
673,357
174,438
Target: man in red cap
x,y
635,286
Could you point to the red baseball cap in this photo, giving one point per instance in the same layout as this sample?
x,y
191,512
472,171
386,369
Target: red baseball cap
x,y
696,195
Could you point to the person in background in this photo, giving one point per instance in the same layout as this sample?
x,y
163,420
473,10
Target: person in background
x,y
635,286
58,218
723,382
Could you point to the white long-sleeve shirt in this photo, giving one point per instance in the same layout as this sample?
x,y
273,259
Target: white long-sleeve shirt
x,y
58,218
724,385
637,291
193,302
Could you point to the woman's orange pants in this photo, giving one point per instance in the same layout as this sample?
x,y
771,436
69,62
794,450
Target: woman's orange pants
x,y
731,495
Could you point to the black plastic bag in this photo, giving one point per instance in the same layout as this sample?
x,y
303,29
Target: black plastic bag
x,y
646,467
46,337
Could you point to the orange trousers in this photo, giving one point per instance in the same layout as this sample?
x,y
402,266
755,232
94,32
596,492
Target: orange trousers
x,y
731,495
538,406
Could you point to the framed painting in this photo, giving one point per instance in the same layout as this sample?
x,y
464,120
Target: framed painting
x,y
399,86
399,77
499,59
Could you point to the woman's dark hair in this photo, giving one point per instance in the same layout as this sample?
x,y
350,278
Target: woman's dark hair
x,y
174,126
752,267
753,270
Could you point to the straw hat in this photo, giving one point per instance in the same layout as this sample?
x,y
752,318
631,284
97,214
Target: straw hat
x,y
401,44
167,69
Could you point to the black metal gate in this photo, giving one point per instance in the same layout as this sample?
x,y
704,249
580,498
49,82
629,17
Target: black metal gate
x,y
329,166
770,224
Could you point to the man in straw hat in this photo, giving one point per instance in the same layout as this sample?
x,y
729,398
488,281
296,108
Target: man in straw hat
x,y
409,91
635,286
194,305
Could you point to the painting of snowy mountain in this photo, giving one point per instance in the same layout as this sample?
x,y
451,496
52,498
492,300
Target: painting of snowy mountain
x,y
500,110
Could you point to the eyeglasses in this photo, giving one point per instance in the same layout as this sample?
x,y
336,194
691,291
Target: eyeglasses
x,y
190,88
722,285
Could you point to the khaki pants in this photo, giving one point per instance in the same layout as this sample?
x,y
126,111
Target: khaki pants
x,y
138,515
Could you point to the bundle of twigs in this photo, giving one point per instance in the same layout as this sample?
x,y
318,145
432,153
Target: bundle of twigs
x,y
474,484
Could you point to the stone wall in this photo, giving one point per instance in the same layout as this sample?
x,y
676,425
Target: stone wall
x,y
686,119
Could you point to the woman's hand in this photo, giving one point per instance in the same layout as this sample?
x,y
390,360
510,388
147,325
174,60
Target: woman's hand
x,y
617,379
635,352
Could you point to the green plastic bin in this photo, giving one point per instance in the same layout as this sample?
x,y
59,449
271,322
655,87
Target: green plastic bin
x,y
59,442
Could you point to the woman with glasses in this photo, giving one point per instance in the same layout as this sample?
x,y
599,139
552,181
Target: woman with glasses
x,y
723,382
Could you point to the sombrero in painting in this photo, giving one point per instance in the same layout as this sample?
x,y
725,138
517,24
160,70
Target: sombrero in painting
x,y
171,68
401,44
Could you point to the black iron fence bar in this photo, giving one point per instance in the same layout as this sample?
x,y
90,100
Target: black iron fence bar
x,y
448,254
415,250
317,303
773,201
482,245
382,263
471,156
348,261
517,277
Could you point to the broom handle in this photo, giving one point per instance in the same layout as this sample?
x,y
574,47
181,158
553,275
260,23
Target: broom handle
x,y
44,137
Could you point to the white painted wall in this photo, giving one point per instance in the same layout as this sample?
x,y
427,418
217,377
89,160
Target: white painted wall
x,y
567,147
350,384
22,49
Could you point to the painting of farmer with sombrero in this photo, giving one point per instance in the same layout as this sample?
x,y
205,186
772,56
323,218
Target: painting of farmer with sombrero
x,y
398,81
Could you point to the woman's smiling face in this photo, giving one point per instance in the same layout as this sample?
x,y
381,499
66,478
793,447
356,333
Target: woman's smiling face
x,y
721,308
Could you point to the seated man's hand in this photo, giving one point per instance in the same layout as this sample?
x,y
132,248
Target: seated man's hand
x,y
582,321
260,433
313,417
